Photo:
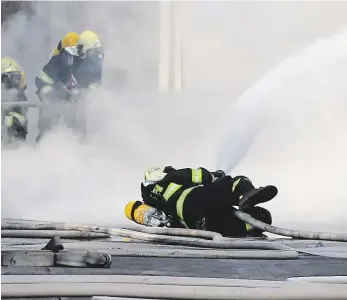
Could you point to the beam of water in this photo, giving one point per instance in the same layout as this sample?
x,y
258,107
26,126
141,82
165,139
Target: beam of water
x,y
290,130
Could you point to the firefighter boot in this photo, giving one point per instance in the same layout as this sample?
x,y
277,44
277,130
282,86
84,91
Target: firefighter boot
x,y
248,196
256,196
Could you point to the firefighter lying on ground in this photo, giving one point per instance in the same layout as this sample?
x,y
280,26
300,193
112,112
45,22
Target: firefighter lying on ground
x,y
199,199
13,85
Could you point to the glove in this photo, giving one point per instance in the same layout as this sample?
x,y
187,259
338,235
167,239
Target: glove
x,y
73,92
154,173
218,174
168,169
51,92
72,83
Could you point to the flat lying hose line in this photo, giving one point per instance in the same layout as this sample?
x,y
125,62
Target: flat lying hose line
x,y
320,279
192,254
292,292
157,280
224,254
50,233
299,234
178,232
156,230
185,241
175,253
38,225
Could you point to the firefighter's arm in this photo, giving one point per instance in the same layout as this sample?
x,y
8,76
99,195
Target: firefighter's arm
x,y
150,196
189,176
52,75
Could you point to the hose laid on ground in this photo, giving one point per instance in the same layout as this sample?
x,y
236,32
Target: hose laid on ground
x,y
203,234
139,279
166,252
8,224
154,291
222,243
218,242
298,234
68,234
310,235
320,279
15,224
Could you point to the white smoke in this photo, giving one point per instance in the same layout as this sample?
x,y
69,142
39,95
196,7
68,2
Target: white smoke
x,y
62,179
65,180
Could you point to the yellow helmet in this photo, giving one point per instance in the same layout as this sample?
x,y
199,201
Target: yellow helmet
x,y
9,65
70,40
12,74
89,40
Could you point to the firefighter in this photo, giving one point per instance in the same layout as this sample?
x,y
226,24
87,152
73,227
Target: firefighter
x,y
199,199
13,86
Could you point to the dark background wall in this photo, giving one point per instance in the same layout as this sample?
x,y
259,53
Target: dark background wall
x,y
9,8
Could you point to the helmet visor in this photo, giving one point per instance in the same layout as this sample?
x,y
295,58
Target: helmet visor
x,y
12,79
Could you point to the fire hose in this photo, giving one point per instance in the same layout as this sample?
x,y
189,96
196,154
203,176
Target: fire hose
x,y
298,234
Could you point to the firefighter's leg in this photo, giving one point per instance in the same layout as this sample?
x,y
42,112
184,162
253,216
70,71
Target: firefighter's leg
x,y
261,214
50,114
248,196
239,191
192,208
225,223
197,203
198,209
229,225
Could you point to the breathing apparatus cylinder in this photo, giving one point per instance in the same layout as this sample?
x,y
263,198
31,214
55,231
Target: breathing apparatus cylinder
x,y
147,215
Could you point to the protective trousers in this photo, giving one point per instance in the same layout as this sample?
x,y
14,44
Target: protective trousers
x,y
214,199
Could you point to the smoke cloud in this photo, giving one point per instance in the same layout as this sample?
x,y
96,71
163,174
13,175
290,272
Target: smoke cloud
x,y
287,128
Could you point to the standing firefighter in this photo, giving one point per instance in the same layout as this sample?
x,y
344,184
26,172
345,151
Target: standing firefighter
x,y
57,75
76,62
13,85
199,199
75,65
